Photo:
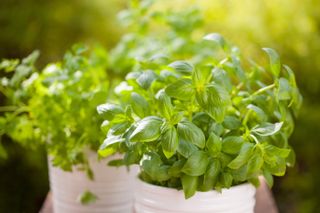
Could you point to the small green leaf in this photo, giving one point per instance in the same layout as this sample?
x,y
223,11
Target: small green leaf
x,y
139,105
146,78
87,198
148,129
276,151
231,122
211,175
175,169
267,129
191,133
215,37
169,141
214,145
243,157
165,105
255,163
268,177
226,179
275,64
182,67
189,185
111,140
186,148
260,114
109,111
181,89
232,144
196,164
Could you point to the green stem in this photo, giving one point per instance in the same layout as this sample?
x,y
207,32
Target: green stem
x,y
263,89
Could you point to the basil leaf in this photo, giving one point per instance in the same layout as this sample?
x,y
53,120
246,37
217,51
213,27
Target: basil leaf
x,y
191,133
182,67
186,148
232,144
148,129
181,89
196,164
189,185
215,37
165,105
139,105
110,141
211,175
87,198
243,157
231,122
267,129
175,169
109,111
275,64
169,141
214,145
255,163
146,78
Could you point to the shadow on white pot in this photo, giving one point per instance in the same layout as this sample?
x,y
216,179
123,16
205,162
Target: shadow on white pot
x,y
157,199
113,187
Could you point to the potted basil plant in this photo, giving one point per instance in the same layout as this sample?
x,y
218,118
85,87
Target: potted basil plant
x,y
56,107
203,131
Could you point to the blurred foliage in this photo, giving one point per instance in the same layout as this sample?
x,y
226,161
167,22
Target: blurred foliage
x,y
292,27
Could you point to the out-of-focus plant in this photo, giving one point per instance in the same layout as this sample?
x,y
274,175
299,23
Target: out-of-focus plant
x,y
56,106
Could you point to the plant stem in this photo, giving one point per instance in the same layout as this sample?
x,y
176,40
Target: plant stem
x,y
264,89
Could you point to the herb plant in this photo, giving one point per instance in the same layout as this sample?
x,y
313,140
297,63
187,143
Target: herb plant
x,y
56,106
205,121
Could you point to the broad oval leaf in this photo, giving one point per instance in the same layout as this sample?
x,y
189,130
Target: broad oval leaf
x,y
243,157
274,58
148,129
214,145
232,144
108,111
165,105
169,141
186,148
189,185
215,37
267,129
181,89
196,164
139,105
191,133
182,67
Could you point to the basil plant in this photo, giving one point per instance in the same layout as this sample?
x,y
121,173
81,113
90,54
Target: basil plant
x,y
203,123
56,106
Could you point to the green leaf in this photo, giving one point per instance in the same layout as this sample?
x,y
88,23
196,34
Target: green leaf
x,y
175,169
268,177
215,37
260,114
186,148
148,129
189,185
226,179
169,141
139,105
214,100
232,144
182,67
191,133
214,145
87,198
146,78
267,129
152,165
243,157
181,89
255,163
109,111
165,105
284,90
196,164
231,122
211,175
111,140
274,58
276,151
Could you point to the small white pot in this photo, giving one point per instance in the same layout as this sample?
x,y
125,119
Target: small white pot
x,y
113,186
156,199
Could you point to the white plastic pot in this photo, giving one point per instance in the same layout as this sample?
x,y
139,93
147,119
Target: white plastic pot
x,y
156,199
113,186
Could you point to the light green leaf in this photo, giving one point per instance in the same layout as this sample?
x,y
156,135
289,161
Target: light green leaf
x,y
87,198
243,157
267,129
215,37
109,111
146,78
268,177
274,58
189,185
189,132
232,144
231,122
165,105
283,90
211,175
214,145
169,141
148,129
182,67
181,89
255,163
139,105
196,164
186,148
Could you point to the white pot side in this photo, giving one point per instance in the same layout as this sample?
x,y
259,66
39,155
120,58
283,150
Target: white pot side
x,y
156,199
114,187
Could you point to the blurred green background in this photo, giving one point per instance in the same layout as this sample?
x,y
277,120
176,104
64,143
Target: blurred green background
x,y
292,27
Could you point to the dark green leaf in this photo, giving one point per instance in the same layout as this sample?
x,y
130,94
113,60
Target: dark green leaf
x,y
186,148
243,157
189,132
169,141
214,145
211,175
232,144
231,122
148,129
196,164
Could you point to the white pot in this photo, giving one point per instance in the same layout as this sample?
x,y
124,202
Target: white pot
x,y
156,199
113,186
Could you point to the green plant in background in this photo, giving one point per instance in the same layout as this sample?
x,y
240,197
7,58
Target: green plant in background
x,y
203,124
56,106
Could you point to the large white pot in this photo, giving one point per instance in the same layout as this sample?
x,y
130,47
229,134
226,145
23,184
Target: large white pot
x,y
113,186
156,199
